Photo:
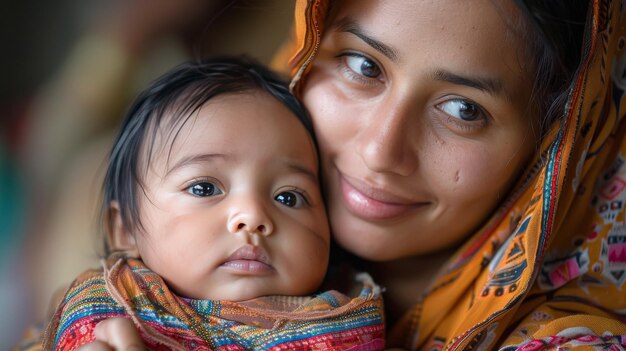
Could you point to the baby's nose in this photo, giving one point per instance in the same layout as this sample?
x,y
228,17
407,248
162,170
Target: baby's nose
x,y
253,218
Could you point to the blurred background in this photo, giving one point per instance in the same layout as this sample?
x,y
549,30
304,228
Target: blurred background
x,y
69,70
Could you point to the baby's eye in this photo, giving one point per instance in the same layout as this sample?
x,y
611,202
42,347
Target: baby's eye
x,y
291,199
462,109
362,65
204,189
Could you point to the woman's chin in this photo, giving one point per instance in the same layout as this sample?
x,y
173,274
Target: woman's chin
x,y
368,243
385,243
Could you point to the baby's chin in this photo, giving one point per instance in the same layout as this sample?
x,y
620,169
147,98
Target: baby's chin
x,y
244,292
236,295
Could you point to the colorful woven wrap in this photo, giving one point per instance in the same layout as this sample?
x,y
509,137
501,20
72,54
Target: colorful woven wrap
x,y
548,270
328,321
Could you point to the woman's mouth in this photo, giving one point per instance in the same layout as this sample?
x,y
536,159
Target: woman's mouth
x,y
373,204
249,260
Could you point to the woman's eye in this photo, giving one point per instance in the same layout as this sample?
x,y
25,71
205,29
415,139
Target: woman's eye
x,y
204,189
291,199
363,66
461,109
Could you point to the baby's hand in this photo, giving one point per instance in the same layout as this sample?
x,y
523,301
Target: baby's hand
x,y
117,334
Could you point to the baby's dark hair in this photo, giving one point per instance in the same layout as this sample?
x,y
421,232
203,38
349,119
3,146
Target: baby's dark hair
x,y
179,94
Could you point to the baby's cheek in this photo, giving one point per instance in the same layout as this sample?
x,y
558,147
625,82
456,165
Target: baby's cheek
x,y
315,254
313,260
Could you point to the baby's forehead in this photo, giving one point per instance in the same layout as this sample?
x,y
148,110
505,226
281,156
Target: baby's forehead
x,y
168,122
224,122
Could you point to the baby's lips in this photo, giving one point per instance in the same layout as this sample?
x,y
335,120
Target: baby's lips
x,y
250,253
249,259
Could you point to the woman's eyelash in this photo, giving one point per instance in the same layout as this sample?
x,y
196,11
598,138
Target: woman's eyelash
x,y
467,125
355,77
350,73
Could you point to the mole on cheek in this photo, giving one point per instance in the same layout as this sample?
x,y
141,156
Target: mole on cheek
x,y
457,176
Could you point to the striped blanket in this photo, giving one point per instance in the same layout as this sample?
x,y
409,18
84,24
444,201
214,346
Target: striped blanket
x,y
125,287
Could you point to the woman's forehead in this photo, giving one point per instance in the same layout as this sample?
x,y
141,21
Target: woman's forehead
x,y
477,37
431,24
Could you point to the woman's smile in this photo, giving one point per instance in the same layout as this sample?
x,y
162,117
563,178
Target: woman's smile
x,y
371,203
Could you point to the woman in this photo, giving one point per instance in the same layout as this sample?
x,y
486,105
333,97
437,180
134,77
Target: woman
x,y
447,156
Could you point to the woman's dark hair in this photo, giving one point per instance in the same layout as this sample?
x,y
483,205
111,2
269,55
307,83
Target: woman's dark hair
x,y
178,94
555,30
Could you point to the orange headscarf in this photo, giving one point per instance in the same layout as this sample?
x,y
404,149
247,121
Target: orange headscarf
x,y
548,269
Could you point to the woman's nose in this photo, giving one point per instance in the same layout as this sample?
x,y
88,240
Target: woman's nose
x,y
250,217
387,142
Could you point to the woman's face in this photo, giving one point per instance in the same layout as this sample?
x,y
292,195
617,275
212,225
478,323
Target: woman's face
x,y
422,115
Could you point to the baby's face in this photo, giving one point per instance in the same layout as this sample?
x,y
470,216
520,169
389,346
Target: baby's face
x,y
234,211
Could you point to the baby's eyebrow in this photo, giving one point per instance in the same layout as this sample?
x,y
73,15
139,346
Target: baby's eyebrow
x,y
299,168
193,159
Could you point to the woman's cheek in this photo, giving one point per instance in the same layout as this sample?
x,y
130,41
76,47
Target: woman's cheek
x,y
332,118
470,174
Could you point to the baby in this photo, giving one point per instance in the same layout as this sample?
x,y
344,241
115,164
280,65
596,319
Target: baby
x,y
215,223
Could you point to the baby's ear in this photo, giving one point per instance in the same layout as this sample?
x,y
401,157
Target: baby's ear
x,y
119,238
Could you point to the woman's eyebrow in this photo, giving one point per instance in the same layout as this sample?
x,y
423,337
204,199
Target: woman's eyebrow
x,y
349,25
491,86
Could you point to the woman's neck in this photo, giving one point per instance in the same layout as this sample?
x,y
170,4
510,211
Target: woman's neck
x,y
404,280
